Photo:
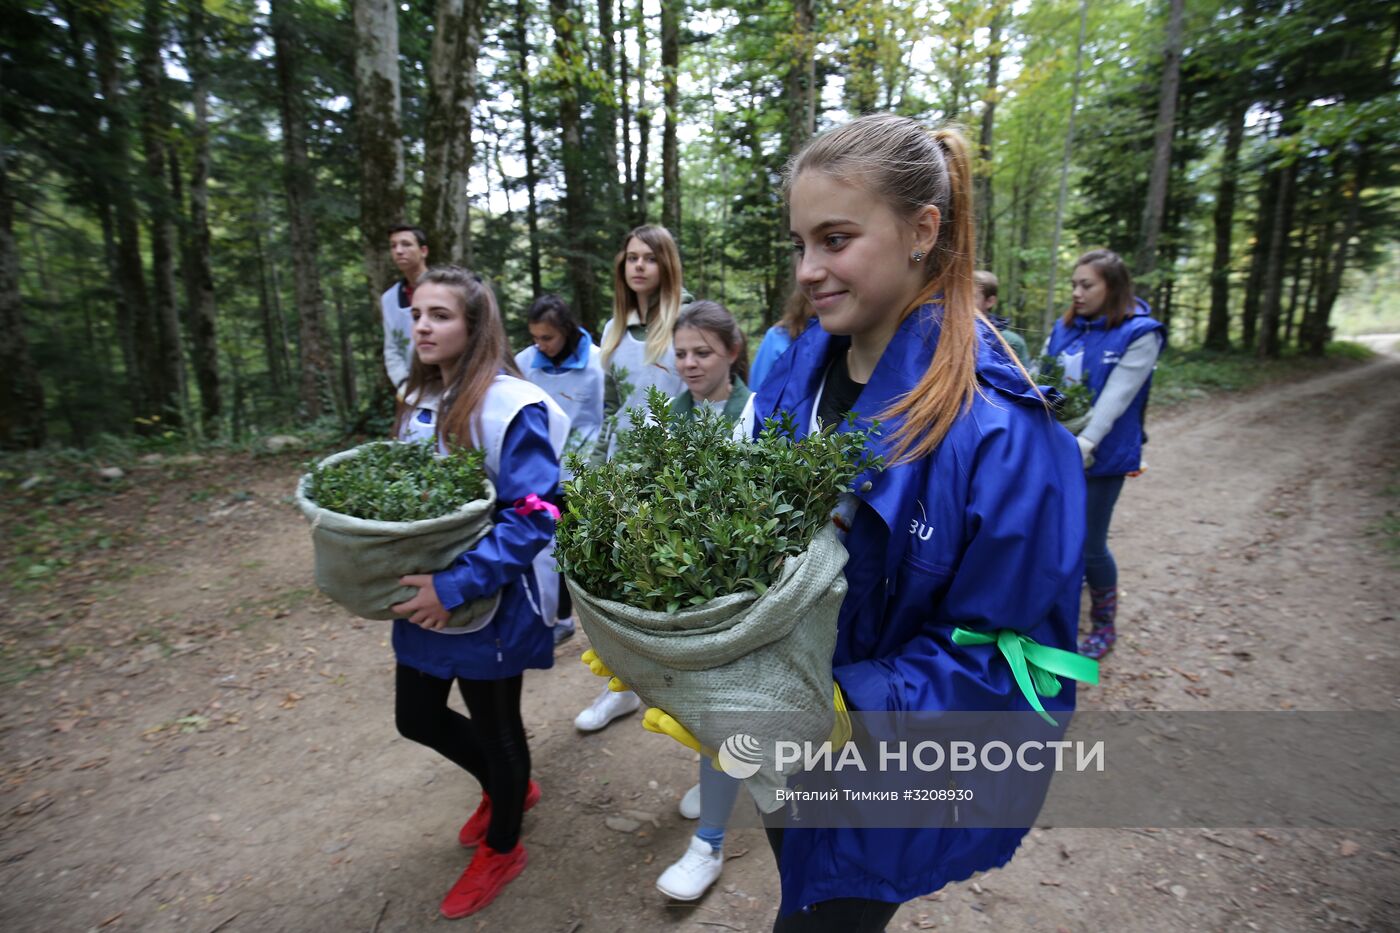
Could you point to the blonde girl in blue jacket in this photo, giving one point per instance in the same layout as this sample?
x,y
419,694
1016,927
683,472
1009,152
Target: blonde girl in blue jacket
x,y
464,391
977,521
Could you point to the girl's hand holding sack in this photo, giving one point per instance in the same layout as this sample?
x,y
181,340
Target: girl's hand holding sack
x,y
387,510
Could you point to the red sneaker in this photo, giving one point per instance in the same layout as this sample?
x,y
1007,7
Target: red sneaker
x,y
488,873
473,831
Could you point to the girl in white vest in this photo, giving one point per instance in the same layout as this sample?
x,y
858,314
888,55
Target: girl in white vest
x,y
637,354
464,391
565,362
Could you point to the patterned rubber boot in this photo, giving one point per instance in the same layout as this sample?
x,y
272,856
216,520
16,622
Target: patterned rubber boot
x,y
1103,608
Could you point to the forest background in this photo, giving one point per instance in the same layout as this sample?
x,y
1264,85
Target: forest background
x,y
196,194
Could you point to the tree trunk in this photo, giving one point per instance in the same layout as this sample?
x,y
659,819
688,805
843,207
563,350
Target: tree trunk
x,y
605,114
1161,145
22,422
1282,224
448,157
199,271
136,331
643,120
1259,258
317,382
629,191
1218,327
1299,251
1049,319
169,376
1317,329
273,344
347,355
986,248
527,119
575,178
380,136
670,155
800,83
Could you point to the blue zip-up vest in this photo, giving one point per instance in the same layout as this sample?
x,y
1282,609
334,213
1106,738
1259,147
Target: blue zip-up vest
x,y
1089,350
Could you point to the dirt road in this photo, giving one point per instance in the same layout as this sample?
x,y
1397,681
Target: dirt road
x,y
193,740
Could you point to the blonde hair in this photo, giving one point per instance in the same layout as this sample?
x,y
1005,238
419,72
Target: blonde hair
x,y
667,298
487,353
908,166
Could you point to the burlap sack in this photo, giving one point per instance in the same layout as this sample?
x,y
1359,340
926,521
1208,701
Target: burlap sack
x,y
359,562
1075,425
715,666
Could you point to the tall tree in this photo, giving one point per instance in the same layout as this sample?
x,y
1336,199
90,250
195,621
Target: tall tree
x,y
317,382
380,136
136,331
629,191
1048,320
643,209
22,421
169,376
986,238
1281,212
448,157
1162,144
670,89
800,82
1218,326
198,263
569,64
527,132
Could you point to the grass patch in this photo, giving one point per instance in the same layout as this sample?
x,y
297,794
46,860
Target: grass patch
x,y
1187,375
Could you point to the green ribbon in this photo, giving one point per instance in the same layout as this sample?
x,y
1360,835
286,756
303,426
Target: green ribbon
x,y
1037,668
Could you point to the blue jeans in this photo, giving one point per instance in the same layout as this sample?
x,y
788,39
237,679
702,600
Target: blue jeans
x,y
717,793
1102,495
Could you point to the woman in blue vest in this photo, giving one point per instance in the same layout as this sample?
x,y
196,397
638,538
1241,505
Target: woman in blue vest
x,y
1109,341
977,520
464,391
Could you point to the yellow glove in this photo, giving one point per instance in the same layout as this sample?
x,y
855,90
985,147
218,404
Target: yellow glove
x,y
596,665
661,722
841,727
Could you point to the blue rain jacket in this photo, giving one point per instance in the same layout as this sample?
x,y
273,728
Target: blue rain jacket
x,y
1089,350
516,638
984,533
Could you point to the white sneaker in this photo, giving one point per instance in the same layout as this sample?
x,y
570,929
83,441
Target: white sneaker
x,y
606,708
692,876
690,803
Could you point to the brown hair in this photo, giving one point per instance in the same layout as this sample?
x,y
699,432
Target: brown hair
x,y
668,297
487,353
796,313
555,311
987,282
1117,280
910,167
714,318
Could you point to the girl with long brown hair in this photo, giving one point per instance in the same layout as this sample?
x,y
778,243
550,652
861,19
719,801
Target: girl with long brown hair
x,y
464,391
974,526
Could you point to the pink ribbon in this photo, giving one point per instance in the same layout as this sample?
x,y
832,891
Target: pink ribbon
x,y
533,503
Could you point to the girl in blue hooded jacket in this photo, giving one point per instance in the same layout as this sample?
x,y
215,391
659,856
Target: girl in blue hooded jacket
x,y
464,391
977,520
1109,341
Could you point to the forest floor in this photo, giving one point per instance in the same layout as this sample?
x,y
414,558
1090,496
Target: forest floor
x,y
195,740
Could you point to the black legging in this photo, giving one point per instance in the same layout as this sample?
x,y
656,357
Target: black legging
x,y
490,745
839,915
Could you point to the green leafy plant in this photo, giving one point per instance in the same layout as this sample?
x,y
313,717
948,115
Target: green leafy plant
x,y
1074,399
684,513
396,482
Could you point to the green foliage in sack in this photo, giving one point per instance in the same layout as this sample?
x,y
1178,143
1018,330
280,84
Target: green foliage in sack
x,y
397,482
1075,398
684,513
